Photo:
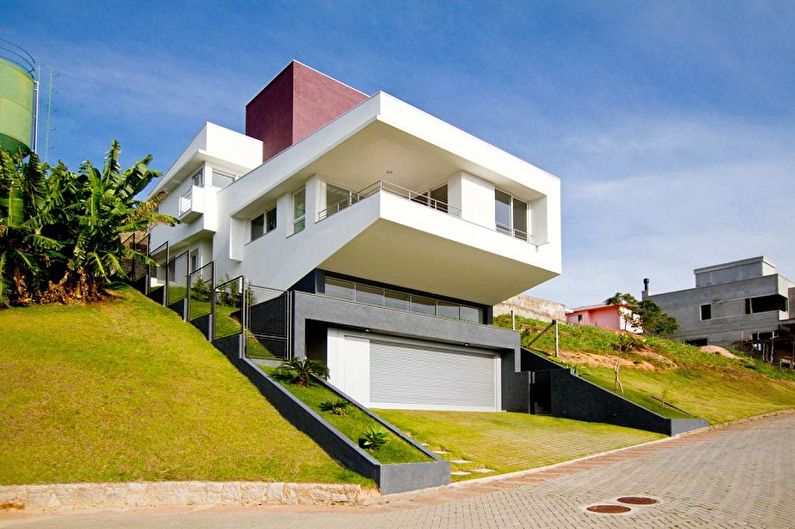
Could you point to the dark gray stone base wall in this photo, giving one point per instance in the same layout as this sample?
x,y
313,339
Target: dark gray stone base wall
x,y
319,312
157,295
204,324
179,307
576,398
391,479
231,346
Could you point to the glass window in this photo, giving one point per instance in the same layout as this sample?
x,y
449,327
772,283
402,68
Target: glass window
x,y
257,227
299,210
222,179
194,260
339,288
423,305
519,219
198,179
448,310
472,314
270,220
397,300
337,199
502,211
370,295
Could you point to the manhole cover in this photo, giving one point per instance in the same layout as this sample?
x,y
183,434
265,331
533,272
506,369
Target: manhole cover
x,y
608,509
637,500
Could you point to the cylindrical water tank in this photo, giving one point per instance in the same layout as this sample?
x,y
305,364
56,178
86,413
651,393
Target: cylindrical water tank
x,y
16,107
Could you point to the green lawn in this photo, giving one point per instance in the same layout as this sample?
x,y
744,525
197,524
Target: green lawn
x,y
123,390
704,385
354,423
507,442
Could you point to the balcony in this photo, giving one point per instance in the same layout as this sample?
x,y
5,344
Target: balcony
x,y
191,204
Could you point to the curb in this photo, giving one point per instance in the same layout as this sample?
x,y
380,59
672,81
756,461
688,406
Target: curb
x,y
81,497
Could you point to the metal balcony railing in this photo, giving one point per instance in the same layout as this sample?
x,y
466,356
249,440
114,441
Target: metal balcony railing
x,y
372,189
419,198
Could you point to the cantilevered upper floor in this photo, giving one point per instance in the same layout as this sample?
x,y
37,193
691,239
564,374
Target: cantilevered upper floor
x,y
390,194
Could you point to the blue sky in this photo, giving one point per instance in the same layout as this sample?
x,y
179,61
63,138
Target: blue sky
x,y
671,124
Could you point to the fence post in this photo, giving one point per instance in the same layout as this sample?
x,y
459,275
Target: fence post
x,y
557,341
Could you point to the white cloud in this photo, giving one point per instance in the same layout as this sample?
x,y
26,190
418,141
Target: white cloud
x,y
716,190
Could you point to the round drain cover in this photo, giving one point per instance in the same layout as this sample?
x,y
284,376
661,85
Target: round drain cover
x,y
637,500
608,509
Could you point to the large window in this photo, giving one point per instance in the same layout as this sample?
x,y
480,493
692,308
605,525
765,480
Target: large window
x,y
299,210
198,178
262,224
510,214
393,299
337,199
765,304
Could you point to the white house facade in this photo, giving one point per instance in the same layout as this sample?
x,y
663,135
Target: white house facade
x,y
395,231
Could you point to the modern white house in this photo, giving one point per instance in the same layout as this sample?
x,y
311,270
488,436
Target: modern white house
x,y
395,231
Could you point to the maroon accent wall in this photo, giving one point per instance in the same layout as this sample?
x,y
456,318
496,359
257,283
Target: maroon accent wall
x,y
269,116
294,105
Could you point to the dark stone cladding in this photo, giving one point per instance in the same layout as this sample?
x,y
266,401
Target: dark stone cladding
x,y
391,478
574,397
314,314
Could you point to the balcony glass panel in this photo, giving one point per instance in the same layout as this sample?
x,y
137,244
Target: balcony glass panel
x,y
447,310
397,300
340,289
519,219
423,305
370,295
471,314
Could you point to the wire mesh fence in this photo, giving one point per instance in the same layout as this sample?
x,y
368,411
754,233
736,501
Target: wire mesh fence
x,y
177,278
135,269
158,271
200,291
229,307
267,323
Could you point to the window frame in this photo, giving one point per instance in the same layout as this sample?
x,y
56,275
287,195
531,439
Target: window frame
x,y
511,229
301,219
265,226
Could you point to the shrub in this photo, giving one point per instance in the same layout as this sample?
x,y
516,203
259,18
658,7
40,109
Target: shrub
x,y
373,439
336,407
300,371
627,342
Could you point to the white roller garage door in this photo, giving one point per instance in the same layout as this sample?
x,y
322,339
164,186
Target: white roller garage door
x,y
411,374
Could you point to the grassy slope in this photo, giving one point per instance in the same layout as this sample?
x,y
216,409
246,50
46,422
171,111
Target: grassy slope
x,y
123,390
355,423
507,442
703,384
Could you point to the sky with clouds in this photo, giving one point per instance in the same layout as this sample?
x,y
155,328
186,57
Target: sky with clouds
x,y
671,124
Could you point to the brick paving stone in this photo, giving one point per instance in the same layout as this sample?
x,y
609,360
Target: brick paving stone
x,y
740,476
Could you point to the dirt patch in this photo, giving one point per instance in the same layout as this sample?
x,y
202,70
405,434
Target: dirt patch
x,y
656,357
718,350
595,360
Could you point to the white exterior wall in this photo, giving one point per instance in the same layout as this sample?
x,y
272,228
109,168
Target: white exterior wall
x,y
280,258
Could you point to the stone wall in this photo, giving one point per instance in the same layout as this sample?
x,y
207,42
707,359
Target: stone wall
x,y
530,307
122,496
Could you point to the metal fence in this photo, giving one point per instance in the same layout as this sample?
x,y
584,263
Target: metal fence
x,y
158,271
200,292
135,268
177,278
228,308
267,323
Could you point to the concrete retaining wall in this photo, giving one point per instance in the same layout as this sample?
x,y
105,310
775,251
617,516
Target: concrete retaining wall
x,y
122,496
576,398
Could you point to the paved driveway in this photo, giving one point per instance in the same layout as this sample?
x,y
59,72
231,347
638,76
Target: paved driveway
x,y
739,476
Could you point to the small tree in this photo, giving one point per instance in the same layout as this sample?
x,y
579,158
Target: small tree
x,y
301,371
646,314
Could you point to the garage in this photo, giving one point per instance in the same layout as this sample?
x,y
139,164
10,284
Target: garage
x,y
390,372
